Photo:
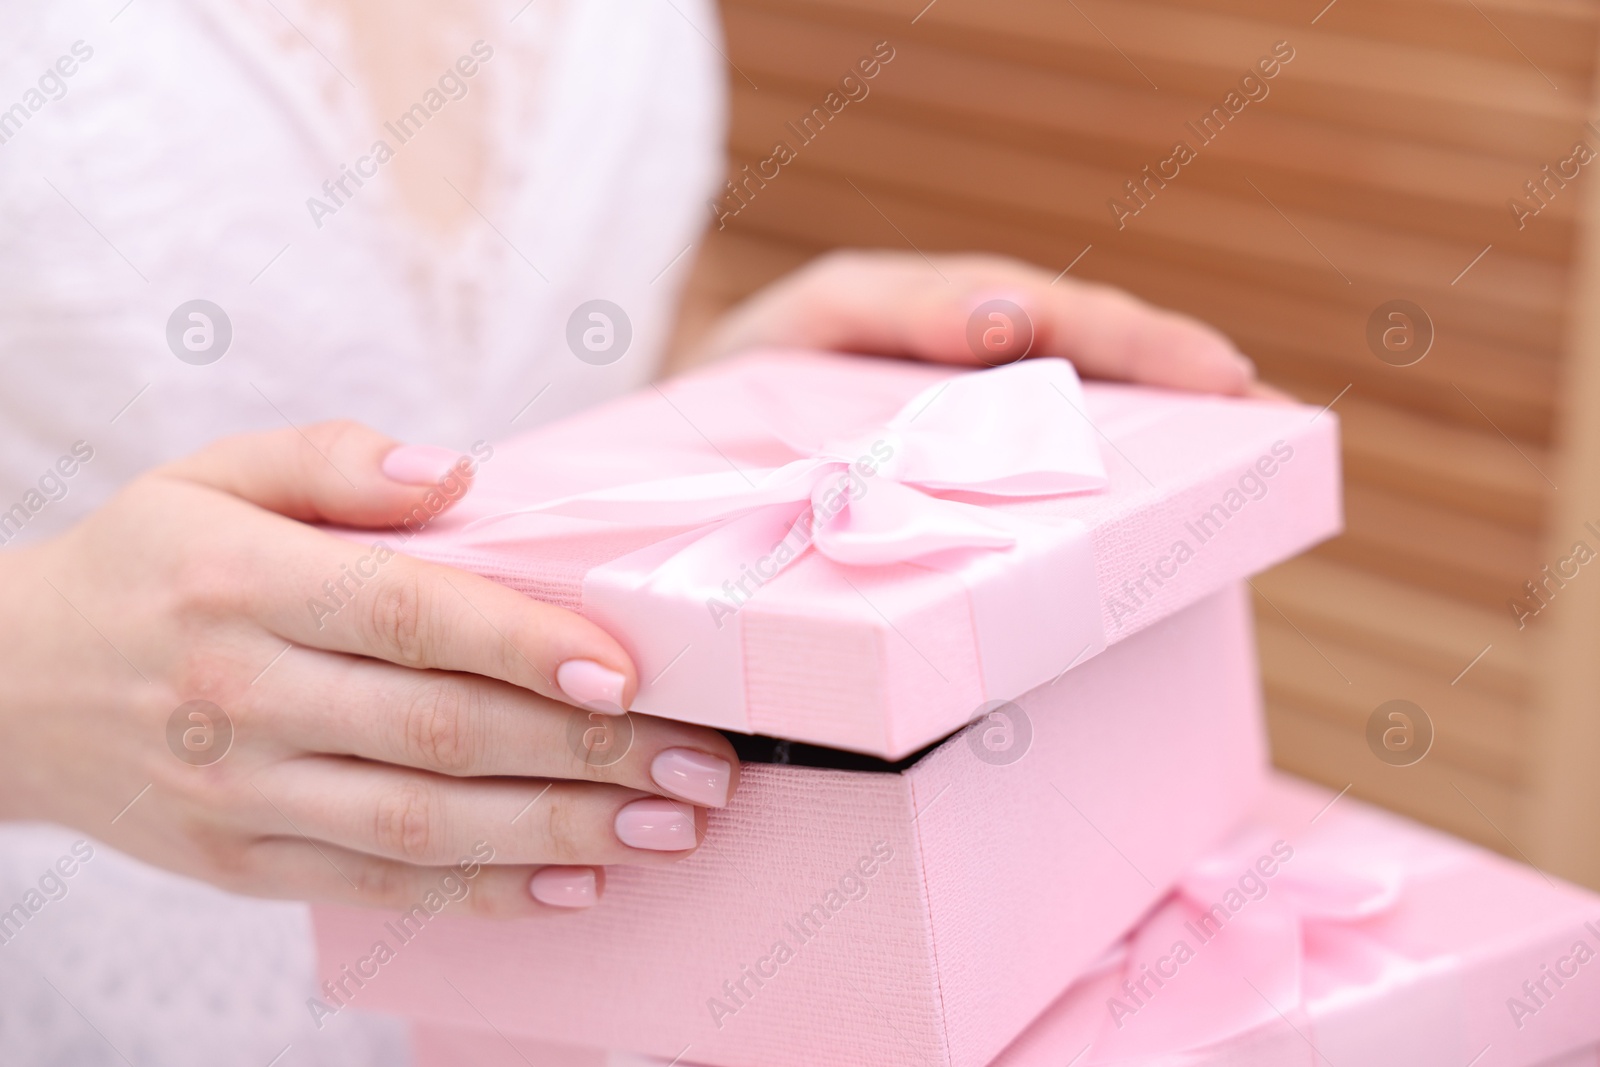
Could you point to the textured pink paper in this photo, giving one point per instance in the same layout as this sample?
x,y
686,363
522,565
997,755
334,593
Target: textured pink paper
x,y
1006,882
462,1045
450,1045
1489,924
902,643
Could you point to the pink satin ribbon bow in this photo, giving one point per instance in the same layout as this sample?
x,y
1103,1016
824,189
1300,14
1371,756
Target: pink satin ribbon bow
x,y
879,497
1233,948
921,487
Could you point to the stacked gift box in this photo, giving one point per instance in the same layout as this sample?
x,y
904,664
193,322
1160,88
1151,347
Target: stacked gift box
x,y
984,642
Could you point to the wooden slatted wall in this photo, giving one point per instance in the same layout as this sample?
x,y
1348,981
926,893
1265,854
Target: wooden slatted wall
x,y
1379,167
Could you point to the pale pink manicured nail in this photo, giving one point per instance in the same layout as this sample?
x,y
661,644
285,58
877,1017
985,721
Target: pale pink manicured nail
x,y
590,685
658,825
420,464
694,776
565,887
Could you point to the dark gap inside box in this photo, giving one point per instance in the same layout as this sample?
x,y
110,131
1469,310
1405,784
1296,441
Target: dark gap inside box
x,y
754,748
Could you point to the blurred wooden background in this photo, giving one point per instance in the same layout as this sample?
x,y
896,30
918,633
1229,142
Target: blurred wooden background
x,y
1379,167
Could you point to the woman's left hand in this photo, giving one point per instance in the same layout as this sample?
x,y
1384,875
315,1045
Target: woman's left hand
x,y
902,304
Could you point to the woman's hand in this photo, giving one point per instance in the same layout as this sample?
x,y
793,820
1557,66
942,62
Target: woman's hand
x,y
901,304
392,721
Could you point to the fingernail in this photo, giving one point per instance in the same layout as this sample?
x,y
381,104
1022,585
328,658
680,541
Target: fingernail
x,y
658,825
1249,365
694,776
420,464
590,685
565,887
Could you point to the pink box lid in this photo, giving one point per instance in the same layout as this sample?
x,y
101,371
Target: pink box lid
x,y
729,628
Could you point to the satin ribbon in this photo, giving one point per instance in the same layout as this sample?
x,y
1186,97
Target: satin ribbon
x,y
904,503
1292,935
1002,434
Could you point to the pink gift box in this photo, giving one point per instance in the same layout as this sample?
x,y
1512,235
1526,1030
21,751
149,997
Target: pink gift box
x,y
1403,947
1378,942
966,539
956,898
442,1045
999,527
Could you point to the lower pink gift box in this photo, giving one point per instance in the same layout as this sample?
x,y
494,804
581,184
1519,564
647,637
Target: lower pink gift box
x,y
1337,935
921,916
447,1045
1373,941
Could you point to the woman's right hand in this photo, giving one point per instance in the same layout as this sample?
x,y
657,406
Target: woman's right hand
x,y
399,734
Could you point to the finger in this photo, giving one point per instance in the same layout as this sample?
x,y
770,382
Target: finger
x,y
895,303
1105,332
1263,391
317,590
431,820
338,472
1110,334
463,725
296,868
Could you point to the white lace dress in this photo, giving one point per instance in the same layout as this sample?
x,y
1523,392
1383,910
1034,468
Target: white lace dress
x,y
174,164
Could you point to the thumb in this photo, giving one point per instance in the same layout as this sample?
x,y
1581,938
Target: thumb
x,y
338,472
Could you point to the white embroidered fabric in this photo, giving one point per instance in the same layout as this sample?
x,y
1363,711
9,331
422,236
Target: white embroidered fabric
x,y
175,164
